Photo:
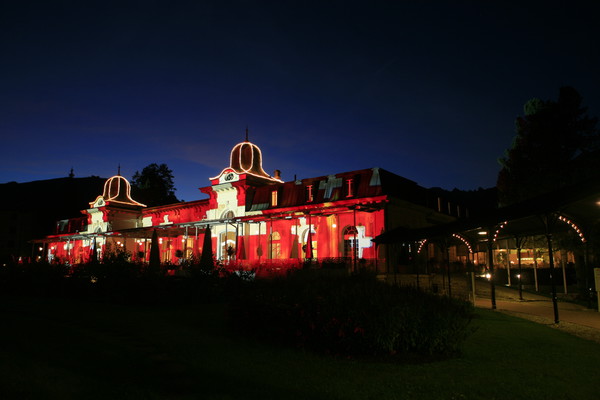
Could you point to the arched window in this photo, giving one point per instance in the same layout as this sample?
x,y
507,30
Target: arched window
x,y
309,251
227,238
275,246
165,246
227,247
188,247
350,234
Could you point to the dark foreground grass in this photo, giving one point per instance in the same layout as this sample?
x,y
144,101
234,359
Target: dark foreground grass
x,y
66,350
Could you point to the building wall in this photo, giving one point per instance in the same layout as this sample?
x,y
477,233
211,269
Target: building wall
x,y
255,218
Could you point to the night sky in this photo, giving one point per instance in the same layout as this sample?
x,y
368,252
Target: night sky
x,y
428,90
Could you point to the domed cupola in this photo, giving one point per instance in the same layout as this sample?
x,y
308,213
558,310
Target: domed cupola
x,y
246,158
117,189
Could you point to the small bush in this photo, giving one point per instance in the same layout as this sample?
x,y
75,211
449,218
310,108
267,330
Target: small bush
x,y
355,315
34,278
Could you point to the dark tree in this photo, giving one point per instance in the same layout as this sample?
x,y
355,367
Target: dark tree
x,y
206,260
556,145
154,185
154,262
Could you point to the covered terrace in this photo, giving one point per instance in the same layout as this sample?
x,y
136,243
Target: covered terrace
x,y
575,208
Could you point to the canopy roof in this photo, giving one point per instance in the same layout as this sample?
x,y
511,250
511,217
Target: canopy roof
x,y
573,207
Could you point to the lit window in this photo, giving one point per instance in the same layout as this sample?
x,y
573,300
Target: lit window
x,y
228,215
349,187
350,240
275,246
274,198
309,193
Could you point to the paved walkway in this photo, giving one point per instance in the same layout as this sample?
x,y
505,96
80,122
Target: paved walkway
x,y
573,318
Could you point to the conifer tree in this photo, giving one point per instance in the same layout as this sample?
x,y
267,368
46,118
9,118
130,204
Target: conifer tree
x,y
556,145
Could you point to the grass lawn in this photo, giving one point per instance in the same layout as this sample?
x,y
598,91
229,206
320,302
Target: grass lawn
x,y
66,350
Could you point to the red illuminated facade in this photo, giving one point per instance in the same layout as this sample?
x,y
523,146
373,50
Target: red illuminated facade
x,y
257,219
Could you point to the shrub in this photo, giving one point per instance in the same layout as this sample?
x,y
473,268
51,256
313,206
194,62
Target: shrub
x,y
36,278
355,315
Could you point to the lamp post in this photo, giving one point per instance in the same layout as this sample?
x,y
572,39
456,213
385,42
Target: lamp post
x,y
447,254
548,223
518,245
414,255
490,241
355,246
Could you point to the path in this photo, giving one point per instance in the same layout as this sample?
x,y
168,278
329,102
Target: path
x,y
573,318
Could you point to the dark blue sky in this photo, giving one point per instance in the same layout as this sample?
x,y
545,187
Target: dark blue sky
x,y
428,90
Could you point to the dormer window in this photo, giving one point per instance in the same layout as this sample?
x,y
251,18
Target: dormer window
x,y
309,193
274,198
349,187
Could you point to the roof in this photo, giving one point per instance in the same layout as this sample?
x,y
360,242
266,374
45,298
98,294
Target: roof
x,y
323,189
246,158
344,186
118,190
578,204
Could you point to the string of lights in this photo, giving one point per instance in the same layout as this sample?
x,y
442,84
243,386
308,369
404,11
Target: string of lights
x,y
421,245
502,225
465,241
573,226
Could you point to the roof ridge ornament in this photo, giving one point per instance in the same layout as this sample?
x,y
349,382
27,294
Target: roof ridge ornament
x,y
247,133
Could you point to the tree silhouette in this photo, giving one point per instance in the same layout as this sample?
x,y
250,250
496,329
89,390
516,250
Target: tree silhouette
x,y
154,185
555,145
154,262
206,260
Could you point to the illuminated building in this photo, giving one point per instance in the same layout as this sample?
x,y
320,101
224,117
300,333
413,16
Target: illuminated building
x,y
258,219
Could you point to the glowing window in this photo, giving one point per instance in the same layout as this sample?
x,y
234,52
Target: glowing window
x,y
274,198
309,193
275,246
349,235
227,247
349,187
